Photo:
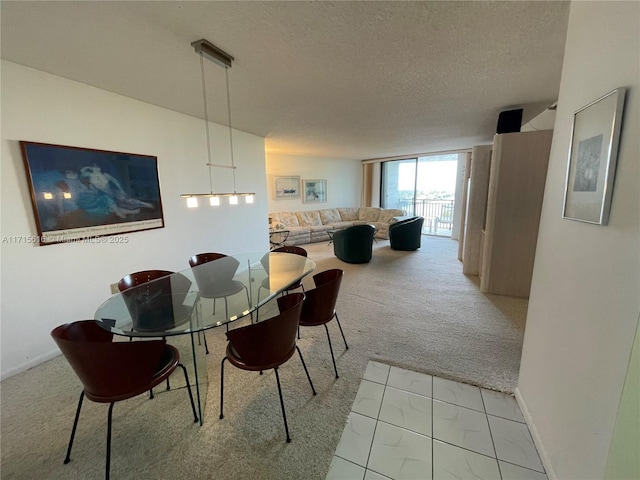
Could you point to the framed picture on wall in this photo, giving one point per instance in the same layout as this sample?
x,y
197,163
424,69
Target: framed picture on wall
x,y
82,193
315,191
592,159
287,188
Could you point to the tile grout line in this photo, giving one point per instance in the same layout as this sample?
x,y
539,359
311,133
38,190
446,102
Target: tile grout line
x,y
433,460
384,391
493,443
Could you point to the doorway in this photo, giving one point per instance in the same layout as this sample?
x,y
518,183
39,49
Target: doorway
x,y
423,186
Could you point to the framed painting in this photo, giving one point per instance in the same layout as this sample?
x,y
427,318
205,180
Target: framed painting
x,y
287,188
592,159
315,191
80,193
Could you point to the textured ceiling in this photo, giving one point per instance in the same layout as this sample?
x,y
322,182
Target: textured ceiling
x,y
329,79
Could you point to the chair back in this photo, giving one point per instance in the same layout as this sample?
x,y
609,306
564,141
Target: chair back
x,y
213,279
109,371
291,249
320,302
354,244
270,342
154,299
285,249
406,234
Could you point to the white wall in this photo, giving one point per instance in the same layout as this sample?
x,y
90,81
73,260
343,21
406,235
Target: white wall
x,y
45,286
544,121
584,304
344,180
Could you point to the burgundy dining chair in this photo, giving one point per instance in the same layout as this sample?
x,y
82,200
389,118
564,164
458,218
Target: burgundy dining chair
x,y
217,281
265,264
114,371
319,306
266,345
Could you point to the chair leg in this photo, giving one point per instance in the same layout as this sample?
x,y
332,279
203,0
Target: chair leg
x,y
305,370
248,298
331,350
340,327
203,334
168,384
193,405
222,386
249,301
73,430
109,417
284,415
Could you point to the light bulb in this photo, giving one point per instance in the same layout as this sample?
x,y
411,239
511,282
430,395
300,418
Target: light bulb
x,y
248,199
214,201
192,202
233,200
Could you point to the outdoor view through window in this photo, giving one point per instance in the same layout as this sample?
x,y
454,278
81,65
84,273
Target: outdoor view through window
x,y
423,186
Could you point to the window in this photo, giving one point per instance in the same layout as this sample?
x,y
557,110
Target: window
x,y
423,186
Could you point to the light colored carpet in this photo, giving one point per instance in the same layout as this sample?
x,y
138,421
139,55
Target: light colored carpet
x,y
414,310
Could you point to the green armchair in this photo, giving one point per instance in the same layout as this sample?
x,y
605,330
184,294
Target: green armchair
x,y
406,234
354,244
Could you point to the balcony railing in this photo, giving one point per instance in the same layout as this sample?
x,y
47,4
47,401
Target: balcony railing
x,y
438,214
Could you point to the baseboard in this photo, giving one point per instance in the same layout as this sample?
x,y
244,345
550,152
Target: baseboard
x,y
544,456
34,362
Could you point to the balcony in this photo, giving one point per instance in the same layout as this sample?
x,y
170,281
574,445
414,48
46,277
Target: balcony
x,y
438,214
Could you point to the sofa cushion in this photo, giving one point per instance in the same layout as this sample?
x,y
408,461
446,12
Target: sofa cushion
x,y
339,225
275,218
348,214
309,218
387,215
369,214
289,219
330,215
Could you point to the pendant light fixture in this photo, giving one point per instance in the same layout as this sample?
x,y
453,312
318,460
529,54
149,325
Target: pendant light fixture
x,y
208,50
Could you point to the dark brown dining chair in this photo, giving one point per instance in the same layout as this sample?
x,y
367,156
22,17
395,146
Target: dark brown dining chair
x,y
216,281
155,299
265,263
265,345
114,371
319,306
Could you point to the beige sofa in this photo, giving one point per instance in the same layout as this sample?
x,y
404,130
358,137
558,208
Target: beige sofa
x,y
313,225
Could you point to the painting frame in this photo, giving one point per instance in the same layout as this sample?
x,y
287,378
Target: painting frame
x,y
83,194
593,152
286,187
314,191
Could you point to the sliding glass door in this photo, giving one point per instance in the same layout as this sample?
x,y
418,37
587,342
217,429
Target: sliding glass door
x,y
423,186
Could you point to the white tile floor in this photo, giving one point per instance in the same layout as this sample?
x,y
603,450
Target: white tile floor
x,y
412,426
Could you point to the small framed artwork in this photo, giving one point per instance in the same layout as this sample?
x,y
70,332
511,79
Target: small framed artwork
x,y
592,159
315,191
81,193
287,188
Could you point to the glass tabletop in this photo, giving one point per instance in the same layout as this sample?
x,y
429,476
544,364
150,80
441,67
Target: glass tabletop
x,y
202,297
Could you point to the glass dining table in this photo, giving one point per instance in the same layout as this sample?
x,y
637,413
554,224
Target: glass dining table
x,y
184,304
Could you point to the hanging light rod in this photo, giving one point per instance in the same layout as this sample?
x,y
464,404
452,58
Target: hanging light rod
x,y
208,50
213,53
